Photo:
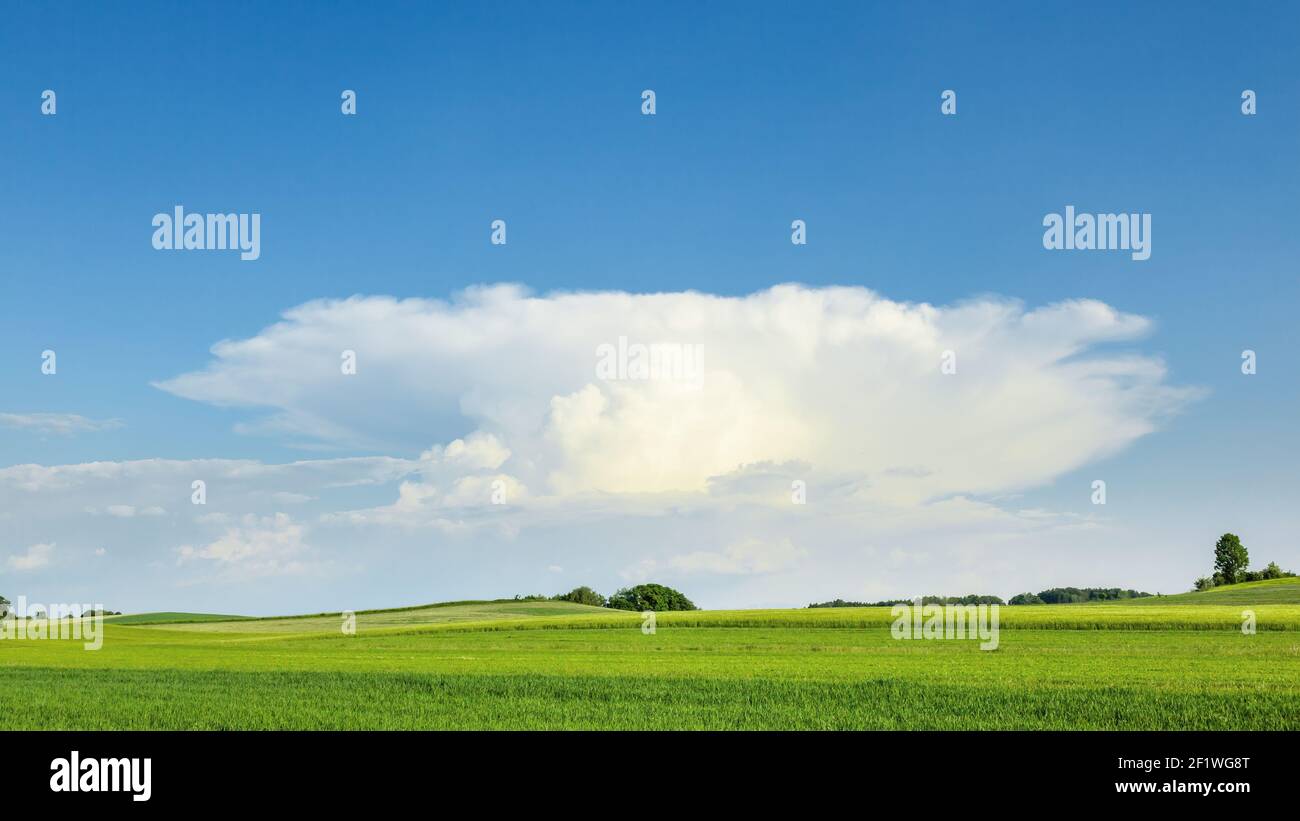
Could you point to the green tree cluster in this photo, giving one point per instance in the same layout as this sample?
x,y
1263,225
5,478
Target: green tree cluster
x,y
1231,560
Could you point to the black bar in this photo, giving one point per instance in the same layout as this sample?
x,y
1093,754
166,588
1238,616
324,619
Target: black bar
x,y
303,770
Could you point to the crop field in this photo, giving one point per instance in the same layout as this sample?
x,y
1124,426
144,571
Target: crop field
x,y
1178,662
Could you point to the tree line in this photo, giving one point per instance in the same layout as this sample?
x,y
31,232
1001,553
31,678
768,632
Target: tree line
x,y
1077,595
1231,562
970,599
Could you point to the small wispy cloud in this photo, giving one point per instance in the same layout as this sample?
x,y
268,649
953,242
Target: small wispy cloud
x,y
37,556
126,511
57,424
747,557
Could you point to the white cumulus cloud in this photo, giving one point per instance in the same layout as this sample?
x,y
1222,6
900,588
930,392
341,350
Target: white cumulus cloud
x,y
821,450
839,379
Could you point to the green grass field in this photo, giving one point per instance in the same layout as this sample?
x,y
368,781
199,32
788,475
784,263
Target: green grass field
x,y
1178,662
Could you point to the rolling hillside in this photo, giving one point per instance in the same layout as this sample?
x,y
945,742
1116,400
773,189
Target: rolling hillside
x,y
168,618
432,614
1176,662
1273,591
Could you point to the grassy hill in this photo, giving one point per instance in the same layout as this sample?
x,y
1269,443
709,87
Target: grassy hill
x,y
1273,591
1176,662
552,616
499,614
430,614
169,618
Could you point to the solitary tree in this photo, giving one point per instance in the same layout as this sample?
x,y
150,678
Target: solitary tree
x,y
1230,557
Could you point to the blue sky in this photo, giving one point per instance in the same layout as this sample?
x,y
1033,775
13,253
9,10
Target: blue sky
x,y
531,113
